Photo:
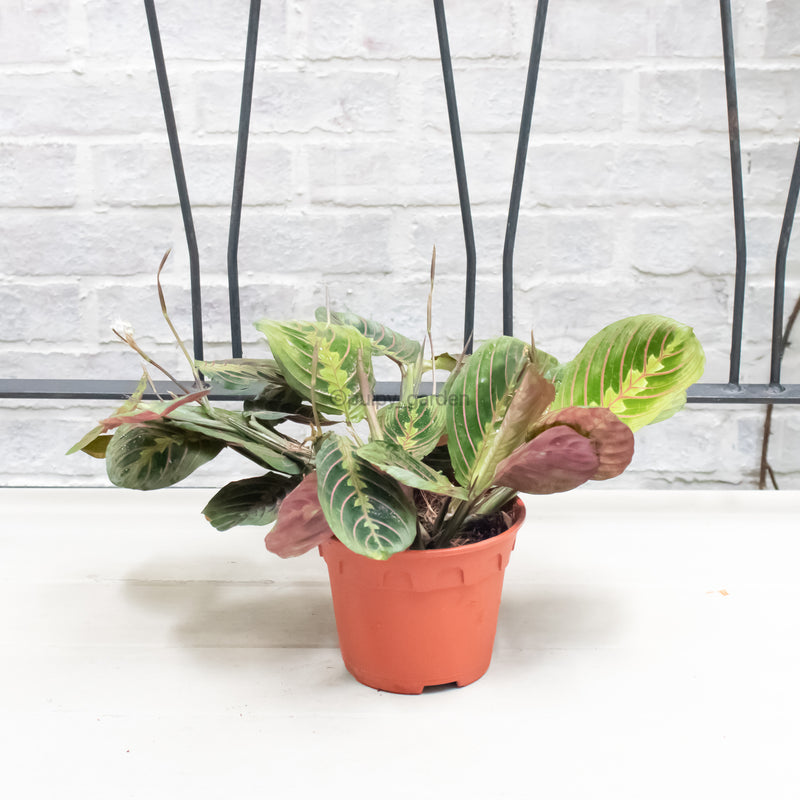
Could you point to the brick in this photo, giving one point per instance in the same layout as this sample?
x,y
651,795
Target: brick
x,y
381,173
66,243
142,175
671,175
763,232
38,175
90,360
626,202
556,174
576,245
607,29
767,171
22,323
310,247
683,28
188,30
443,229
783,22
490,99
341,100
682,99
33,31
398,30
769,100
784,441
676,244
696,441
55,103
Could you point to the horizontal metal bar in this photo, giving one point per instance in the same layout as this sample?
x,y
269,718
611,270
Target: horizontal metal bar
x,y
716,393
744,393
45,389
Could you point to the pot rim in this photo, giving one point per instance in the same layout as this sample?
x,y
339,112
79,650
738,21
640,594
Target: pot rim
x,y
519,518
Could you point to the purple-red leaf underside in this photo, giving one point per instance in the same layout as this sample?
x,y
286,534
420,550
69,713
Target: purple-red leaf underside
x,y
612,439
301,525
148,415
557,460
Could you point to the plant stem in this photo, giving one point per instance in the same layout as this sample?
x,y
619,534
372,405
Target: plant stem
x,y
366,397
495,499
453,525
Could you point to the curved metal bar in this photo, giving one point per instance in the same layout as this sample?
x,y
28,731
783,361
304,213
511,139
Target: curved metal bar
x,y
778,345
180,178
461,173
519,168
738,192
238,178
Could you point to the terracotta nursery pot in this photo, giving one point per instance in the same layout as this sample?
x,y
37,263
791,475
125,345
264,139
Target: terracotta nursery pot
x,y
422,617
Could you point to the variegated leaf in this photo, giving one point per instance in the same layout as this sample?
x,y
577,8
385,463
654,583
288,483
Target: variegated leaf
x,y
154,455
252,501
410,471
482,392
366,509
320,362
385,341
239,431
416,424
639,368
95,442
242,374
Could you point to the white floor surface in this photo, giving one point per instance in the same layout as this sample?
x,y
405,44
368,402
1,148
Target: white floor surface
x,y
648,647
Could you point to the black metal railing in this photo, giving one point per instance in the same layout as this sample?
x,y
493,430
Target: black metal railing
x,y
774,392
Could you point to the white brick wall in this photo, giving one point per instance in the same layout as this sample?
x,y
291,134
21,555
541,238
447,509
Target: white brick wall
x,y
626,204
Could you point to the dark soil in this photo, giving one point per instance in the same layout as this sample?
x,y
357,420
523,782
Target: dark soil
x,y
429,506
484,528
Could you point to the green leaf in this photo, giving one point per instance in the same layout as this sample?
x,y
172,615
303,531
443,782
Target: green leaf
x,y
532,396
366,509
445,361
242,374
416,424
482,392
98,447
546,364
398,463
320,362
639,368
94,443
239,430
439,459
252,501
386,342
154,455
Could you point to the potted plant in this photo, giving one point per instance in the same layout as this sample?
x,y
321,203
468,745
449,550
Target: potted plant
x,y
412,504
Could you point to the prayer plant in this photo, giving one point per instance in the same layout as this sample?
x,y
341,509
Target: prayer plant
x,y
414,473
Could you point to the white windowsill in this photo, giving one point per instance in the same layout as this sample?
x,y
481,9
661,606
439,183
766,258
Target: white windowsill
x,y
648,647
